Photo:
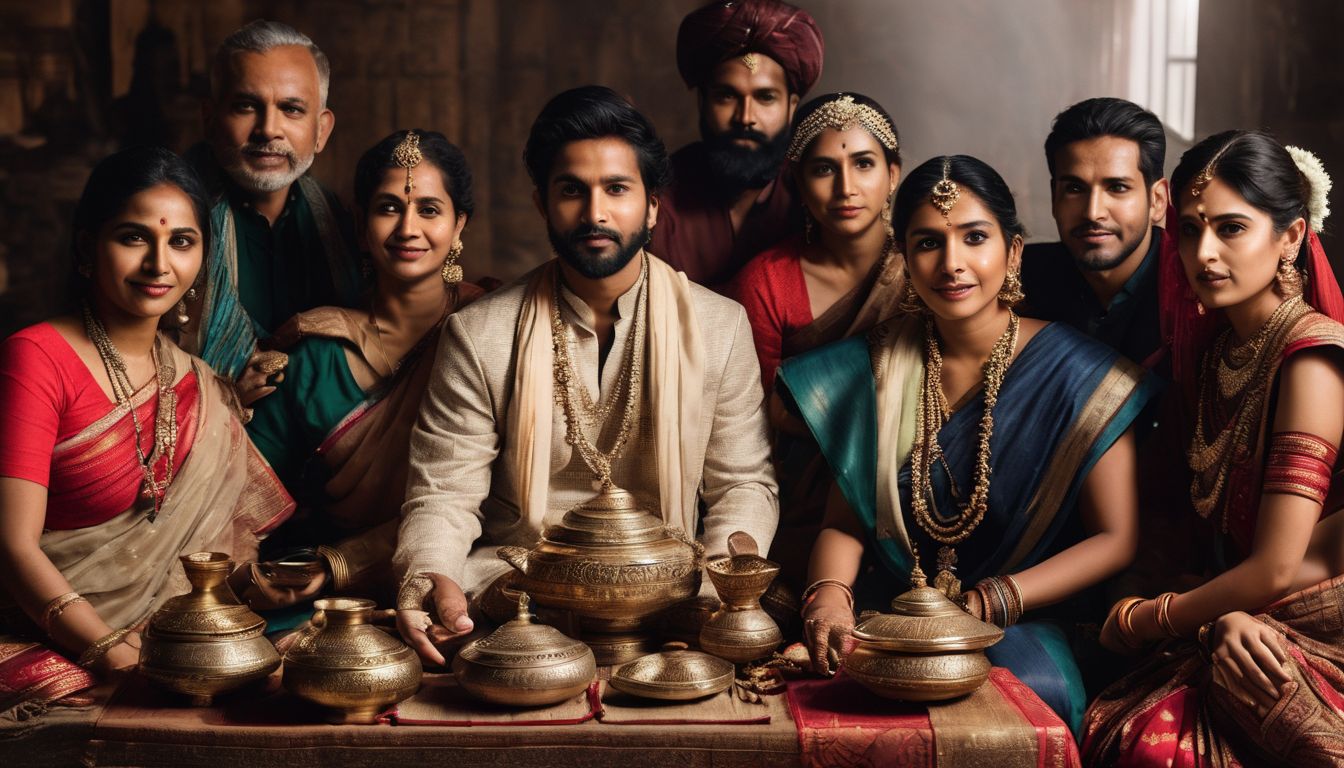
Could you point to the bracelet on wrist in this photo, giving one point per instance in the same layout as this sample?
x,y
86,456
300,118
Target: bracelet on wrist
x,y
100,647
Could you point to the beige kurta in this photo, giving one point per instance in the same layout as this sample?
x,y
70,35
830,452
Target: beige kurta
x,y
462,498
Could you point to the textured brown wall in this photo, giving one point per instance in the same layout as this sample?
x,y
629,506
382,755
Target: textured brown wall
x,y
973,76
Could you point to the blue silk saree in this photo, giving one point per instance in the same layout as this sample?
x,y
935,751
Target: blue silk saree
x,y
1064,402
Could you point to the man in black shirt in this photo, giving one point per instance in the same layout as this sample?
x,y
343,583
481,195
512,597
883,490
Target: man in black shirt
x,y
1109,199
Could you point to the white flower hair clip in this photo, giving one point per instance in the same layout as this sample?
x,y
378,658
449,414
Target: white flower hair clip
x,y
1318,207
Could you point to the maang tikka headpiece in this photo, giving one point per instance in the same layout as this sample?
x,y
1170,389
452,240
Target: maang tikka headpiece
x,y
407,155
945,192
842,113
1205,176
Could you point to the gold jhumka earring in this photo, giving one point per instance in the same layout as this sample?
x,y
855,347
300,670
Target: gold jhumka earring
x,y
946,192
1287,279
452,271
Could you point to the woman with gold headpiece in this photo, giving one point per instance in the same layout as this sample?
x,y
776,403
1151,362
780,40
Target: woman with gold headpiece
x,y
836,279
1250,666
992,450
119,452
338,428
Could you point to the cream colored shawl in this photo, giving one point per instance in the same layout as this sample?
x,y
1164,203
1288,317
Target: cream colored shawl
x,y
674,379
896,348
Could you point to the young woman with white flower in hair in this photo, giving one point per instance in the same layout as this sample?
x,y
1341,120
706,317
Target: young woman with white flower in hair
x,y
1250,666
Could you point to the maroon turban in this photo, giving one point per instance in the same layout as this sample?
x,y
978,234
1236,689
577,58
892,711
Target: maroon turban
x,y
722,30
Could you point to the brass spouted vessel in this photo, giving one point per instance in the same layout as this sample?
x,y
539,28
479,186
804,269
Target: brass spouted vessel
x,y
741,630
613,565
206,641
346,664
525,664
926,649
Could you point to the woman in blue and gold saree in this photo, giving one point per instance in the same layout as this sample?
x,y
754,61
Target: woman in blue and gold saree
x,y
1013,434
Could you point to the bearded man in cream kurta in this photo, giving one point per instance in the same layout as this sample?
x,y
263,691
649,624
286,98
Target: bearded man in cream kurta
x,y
658,377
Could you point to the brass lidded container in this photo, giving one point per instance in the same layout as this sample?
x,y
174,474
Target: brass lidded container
x,y
609,559
926,649
345,663
674,674
741,630
206,641
525,664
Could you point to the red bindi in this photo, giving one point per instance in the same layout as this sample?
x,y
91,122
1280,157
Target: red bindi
x,y
163,222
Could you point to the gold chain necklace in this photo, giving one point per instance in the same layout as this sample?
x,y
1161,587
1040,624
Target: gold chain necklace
x,y
149,498
930,415
392,368
1246,376
567,380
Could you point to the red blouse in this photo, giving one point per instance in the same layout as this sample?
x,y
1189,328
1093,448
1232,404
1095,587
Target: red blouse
x,y
47,396
772,290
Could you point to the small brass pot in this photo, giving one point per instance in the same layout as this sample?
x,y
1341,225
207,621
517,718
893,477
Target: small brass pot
x,y
206,642
348,665
926,649
524,664
741,630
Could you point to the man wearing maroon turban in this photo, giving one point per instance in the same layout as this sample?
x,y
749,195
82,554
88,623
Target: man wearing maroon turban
x,y
750,62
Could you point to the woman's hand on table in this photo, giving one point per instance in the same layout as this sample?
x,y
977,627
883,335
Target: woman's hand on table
x,y
828,622
122,657
418,628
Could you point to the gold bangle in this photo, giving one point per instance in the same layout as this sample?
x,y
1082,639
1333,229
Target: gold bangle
x,y
1162,609
56,606
1019,606
101,646
340,569
1124,615
810,593
1202,636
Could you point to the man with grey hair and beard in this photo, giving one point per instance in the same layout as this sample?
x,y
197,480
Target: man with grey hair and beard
x,y
281,243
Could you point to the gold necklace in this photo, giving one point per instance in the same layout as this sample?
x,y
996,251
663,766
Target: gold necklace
x,y
391,367
930,415
567,380
1246,376
149,498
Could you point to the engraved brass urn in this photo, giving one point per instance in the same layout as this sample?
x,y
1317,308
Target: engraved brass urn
x,y
927,649
346,664
741,630
525,664
613,565
206,641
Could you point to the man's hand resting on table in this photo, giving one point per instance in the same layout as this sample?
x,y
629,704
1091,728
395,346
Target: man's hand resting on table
x,y
418,629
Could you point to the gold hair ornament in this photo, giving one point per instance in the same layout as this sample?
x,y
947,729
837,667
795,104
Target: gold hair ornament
x,y
407,155
946,192
1205,176
751,61
842,113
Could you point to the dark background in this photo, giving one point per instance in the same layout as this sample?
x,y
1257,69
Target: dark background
x,y
79,78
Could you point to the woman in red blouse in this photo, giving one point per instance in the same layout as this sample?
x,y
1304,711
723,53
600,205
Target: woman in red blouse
x,y
119,451
835,280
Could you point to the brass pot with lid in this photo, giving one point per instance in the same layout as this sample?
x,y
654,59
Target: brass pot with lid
x,y
346,664
674,674
525,664
741,630
926,649
206,641
609,559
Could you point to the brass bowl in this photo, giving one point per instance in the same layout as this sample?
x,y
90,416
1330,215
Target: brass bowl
x,y
206,642
523,664
675,674
917,677
348,665
608,559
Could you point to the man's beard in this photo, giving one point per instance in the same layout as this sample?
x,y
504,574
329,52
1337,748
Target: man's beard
x,y
1091,261
737,168
593,267
260,182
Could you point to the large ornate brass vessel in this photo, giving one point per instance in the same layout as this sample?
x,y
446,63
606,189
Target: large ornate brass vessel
x,y
524,664
741,630
206,642
609,559
927,649
348,665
